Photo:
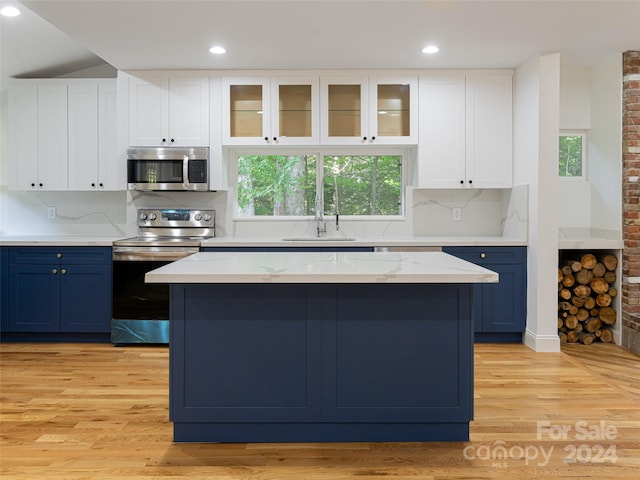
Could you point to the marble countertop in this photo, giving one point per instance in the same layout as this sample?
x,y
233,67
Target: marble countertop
x,y
590,244
337,241
330,241
565,242
57,240
321,267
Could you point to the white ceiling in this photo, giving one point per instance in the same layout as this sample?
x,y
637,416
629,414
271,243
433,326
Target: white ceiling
x,y
319,34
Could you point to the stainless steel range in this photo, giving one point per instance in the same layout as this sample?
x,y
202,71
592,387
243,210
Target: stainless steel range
x,y
141,310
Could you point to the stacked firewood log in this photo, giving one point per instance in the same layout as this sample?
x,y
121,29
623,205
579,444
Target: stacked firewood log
x,y
585,294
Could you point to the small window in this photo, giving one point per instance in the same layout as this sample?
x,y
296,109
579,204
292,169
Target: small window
x,y
572,155
306,184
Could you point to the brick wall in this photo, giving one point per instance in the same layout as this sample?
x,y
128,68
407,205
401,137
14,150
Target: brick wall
x,y
630,194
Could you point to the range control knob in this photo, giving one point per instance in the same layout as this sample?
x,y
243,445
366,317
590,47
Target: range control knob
x,y
197,217
207,217
142,216
152,216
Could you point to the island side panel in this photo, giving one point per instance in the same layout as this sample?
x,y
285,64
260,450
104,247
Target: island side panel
x,y
275,362
244,353
399,353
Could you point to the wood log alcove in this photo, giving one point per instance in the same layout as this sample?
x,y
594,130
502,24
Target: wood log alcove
x,y
587,287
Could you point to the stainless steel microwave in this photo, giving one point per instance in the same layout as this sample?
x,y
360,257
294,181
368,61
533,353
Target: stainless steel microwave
x,y
168,168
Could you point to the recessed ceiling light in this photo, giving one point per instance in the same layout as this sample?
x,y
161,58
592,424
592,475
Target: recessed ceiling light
x,y
217,50
9,11
430,49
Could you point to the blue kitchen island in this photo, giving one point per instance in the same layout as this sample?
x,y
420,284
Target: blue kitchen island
x,y
326,346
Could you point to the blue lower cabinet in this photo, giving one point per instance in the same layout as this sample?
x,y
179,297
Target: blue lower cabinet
x,y
34,300
321,362
85,299
500,310
58,290
4,288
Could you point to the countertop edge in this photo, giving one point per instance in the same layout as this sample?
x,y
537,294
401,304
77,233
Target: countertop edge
x,y
590,244
57,241
329,279
107,241
321,267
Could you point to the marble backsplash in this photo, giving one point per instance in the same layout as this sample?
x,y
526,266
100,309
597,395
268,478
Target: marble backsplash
x,y
427,213
77,213
488,212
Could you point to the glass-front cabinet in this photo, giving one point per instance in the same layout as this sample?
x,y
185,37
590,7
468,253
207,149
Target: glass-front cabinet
x,y
270,111
311,110
295,113
345,110
362,111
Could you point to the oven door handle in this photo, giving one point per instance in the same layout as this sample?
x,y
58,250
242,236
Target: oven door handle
x,y
185,171
149,256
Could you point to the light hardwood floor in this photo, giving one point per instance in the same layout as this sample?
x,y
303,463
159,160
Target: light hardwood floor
x,y
92,411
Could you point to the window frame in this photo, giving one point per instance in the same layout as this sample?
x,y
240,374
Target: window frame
x,y
583,135
320,153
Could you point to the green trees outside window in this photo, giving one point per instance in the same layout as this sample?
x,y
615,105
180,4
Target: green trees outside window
x,y
362,185
276,185
296,185
571,156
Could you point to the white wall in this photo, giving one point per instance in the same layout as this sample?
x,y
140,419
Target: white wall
x,y
574,196
605,145
591,100
536,124
575,109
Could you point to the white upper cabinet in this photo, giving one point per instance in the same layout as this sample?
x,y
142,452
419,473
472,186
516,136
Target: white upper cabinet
x,y
63,135
394,110
295,110
93,160
344,102
23,135
442,144
368,111
168,110
38,135
489,131
270,111
245,111
465,131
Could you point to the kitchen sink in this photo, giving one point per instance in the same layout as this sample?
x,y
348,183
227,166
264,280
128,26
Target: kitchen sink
x,y
318,239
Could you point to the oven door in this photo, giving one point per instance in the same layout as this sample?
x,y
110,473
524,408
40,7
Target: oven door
x,y
140,311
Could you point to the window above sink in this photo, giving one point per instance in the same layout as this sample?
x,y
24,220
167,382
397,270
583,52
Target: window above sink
x,y
318,183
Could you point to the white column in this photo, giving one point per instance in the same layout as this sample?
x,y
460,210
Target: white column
x,y
536,128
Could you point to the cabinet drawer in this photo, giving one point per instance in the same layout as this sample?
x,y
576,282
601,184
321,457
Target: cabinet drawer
x,y
68,255
487,255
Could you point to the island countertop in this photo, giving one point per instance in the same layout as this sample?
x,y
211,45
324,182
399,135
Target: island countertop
x,y
321,267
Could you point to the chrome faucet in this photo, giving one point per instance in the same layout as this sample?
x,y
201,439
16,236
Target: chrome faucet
x,y
321,225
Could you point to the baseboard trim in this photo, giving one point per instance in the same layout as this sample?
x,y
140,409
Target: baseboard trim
x,y
541,343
